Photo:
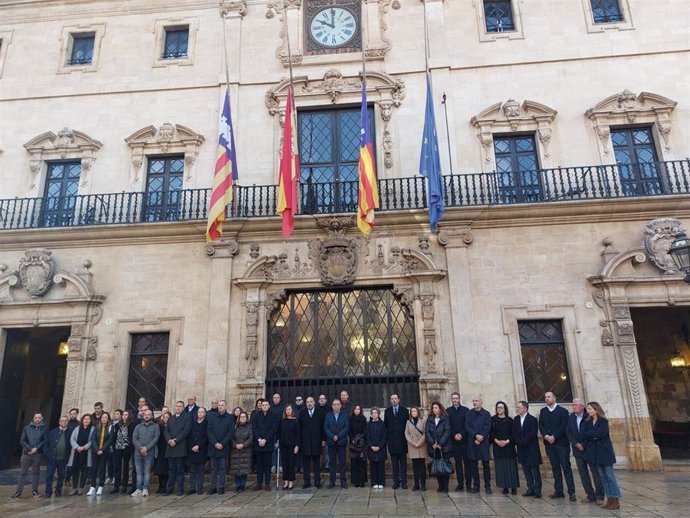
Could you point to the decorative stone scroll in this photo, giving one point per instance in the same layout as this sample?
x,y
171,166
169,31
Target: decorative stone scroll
x,y
233,7
36,271
658,236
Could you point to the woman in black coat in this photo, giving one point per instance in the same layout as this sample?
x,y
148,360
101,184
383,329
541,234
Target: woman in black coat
x,y
101,454
160,465
197,441
123,447
438,435
504,450
289,446
376,448
599,452
358,444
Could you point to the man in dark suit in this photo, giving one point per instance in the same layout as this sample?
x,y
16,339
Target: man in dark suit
x,y
395,420
56,449
191,409
553,421
335,427
574,433
478,426
265,430
221,425
525,435
312,440
456,416
176,432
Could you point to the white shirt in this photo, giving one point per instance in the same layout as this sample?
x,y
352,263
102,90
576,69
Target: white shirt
x,y
552,408
579,420
522,419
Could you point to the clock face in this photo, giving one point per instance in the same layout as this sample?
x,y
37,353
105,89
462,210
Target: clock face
x,y
333,27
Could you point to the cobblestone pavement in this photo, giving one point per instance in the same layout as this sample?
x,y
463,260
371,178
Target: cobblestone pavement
x,y
644,495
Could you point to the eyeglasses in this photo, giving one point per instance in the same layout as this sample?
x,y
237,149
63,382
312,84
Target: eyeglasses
x,y
298,399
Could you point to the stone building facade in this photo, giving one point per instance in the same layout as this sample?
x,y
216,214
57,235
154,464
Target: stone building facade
x,y
547,275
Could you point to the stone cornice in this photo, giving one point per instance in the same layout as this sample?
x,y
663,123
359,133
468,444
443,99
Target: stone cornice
x,y
246,230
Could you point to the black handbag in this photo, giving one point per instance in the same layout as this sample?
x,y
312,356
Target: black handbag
x,y
440,467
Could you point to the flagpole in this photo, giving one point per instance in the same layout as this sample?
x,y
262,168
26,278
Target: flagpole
x,y
426,41
287,37
445,109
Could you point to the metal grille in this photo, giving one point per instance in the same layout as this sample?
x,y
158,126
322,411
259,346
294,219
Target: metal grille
x,y
498,15
544,359
148,368
176,43
163,186
62,187
82,50
636,157
358,340
606,11
517,169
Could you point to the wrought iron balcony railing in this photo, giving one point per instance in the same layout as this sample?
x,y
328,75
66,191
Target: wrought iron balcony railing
x,y
461,190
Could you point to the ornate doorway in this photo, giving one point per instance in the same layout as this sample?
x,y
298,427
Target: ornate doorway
x,y
359,340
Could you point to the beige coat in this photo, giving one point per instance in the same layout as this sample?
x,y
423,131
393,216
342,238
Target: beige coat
x,y
415,436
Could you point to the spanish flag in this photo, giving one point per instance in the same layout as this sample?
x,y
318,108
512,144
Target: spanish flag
x,y
225,174
289,170
368,188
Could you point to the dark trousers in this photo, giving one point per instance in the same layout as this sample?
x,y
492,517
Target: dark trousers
x,y
486,469
584,469
399,468
100,463
462,465
110,468
219,467
241,482
176,467
533,478
337,454
288,461
443,483
263,467
378,472
358,471
559,457
419,473
80,469
33,462
134,471
196,476
121,468
53,465
309,461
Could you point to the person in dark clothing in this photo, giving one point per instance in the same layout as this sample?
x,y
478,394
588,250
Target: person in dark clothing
x,y
312,440
358,447
31,441
289,440
56,450
123,448
71,425
241,456
525,435
221,424
478,426
264,429
257,409
198,451
346,403
553,421
438,439
456,415
504,450
160,466
599,452
176,451
335,427
192,408
101,454
594,492
83,437
395,420
415,433
376,449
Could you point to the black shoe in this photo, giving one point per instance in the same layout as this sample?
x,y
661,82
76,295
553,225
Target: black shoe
x,y
513,491
258,487
415,488
423,488
191,492
180,493
267,488
331,485
47,495
396,485
114,490
36,494
58,494
459,487
572,497
537,495
488,491
557,495
318,486
528,493
404,485
474,490
439,490
221,491
16,494
167,493
343,485
306,486
505,491
212,491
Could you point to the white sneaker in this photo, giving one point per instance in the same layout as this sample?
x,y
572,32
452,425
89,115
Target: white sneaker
x,y
137,493
145,492
108,481
99,491
92,491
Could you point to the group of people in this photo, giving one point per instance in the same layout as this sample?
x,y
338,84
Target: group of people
x,y
288,438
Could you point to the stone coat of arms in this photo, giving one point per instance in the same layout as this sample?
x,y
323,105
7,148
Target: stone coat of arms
x,y
36,271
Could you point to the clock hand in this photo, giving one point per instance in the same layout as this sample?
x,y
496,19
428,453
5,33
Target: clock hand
x,y
332,26
333,17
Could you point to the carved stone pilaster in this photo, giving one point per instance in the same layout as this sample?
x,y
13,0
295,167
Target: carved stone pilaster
x,y
222,248
230,8
430,347
251,354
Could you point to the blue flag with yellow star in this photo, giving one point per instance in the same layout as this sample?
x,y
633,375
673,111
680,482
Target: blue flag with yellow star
x,y
430,161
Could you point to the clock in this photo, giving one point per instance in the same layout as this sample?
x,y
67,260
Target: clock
x,y
333,27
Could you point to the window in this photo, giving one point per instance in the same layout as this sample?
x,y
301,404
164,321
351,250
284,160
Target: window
x,y
606,11
517,169
163,185
82,49
60,195
635,154
362,341
329,155
148,368
176,42
498,15
5,40
544,360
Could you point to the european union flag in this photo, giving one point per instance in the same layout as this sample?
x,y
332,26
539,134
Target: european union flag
x,y
430,161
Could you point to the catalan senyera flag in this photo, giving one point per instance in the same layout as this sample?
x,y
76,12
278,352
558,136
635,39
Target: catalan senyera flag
x,y
368,199
225,174
288,177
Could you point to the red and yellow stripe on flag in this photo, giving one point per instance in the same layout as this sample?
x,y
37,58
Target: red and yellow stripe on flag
x,y
288,176
225,174
368,199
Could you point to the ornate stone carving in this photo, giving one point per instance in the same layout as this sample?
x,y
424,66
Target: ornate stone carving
x,y
606,337
658,236
223,248
91,348
631,372
71,376
511,108
621,312
337,257
251,354
448,238
424,243
254,249
229,7
36,271
430,348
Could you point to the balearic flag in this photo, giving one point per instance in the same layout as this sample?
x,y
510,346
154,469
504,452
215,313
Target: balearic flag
x,y
225,174
289,170
430,161
368,198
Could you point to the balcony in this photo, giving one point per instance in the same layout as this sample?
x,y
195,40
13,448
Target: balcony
x,y
564,184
